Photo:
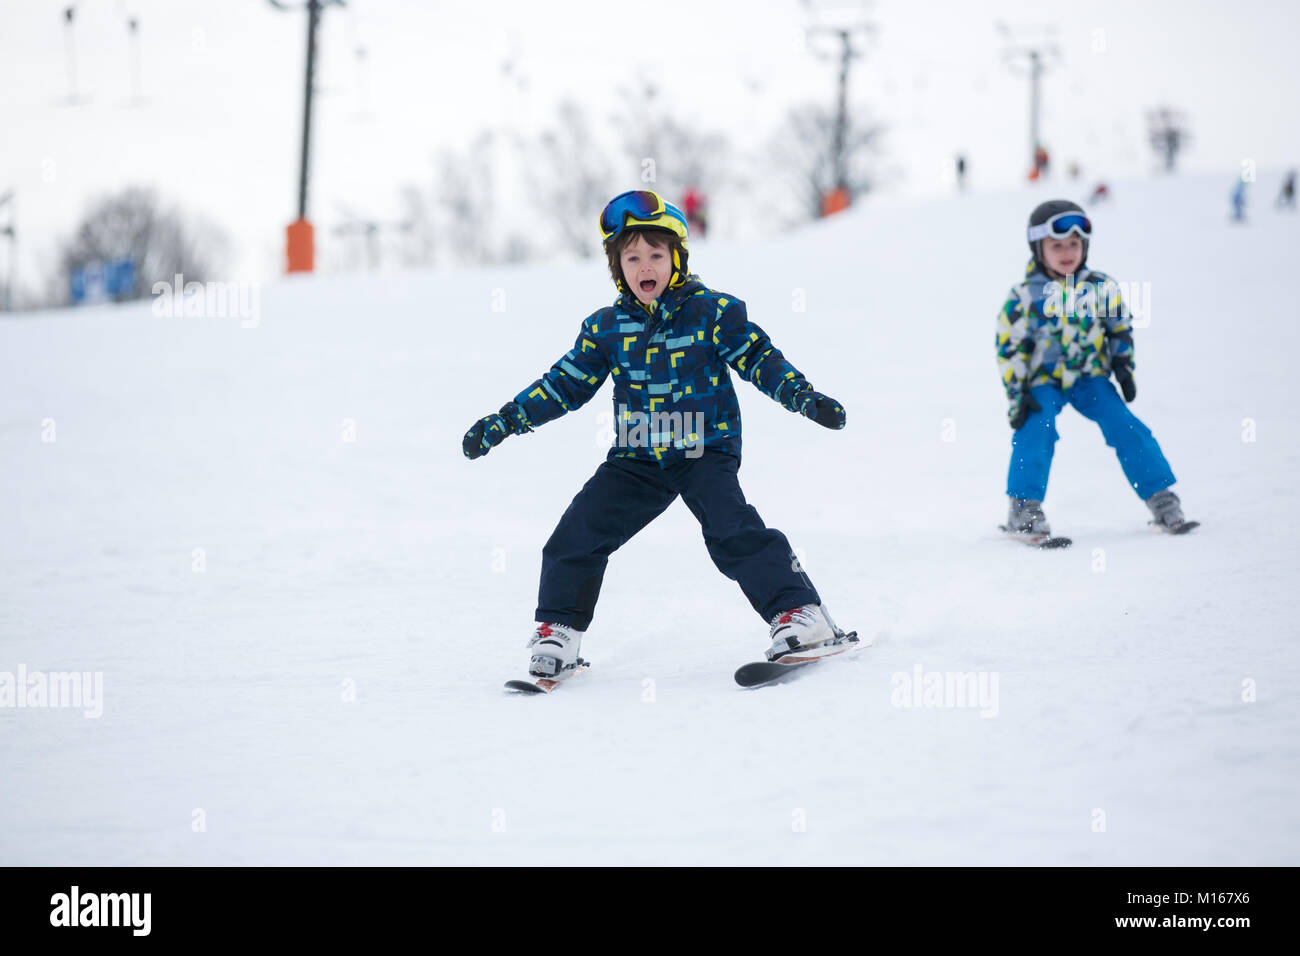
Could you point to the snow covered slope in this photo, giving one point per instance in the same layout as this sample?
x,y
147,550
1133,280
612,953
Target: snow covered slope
x,y
303,600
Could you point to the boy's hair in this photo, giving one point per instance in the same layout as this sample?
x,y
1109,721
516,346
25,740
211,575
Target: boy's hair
x,y
659,238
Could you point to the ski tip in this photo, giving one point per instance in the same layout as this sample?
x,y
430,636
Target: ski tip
x,y
762,673
523,687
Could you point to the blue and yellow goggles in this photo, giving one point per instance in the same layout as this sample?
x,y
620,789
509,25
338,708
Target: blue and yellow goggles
x,y
641,207
1062,225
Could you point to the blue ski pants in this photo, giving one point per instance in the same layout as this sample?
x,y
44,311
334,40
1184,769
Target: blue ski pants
x,y
625,495
1095,398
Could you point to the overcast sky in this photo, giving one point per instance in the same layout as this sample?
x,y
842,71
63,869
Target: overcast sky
x,y
220,122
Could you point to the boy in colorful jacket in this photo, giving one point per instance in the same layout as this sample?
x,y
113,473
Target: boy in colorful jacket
x,y
1061,334
667,341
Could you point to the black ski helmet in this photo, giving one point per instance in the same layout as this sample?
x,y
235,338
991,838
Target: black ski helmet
x,y
1045,211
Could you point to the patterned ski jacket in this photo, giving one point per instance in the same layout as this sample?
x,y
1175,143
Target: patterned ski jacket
x,y
1050,333
672,390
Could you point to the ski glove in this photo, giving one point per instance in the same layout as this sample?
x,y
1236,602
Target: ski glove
x,y
1022,408
822,409
492,430
1123,369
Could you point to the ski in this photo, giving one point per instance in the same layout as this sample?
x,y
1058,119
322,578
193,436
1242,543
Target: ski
x,y
1035,540
544,685
758,673
1183,528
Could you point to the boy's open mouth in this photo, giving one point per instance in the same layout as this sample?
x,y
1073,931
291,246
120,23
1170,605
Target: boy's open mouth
x,y
648,285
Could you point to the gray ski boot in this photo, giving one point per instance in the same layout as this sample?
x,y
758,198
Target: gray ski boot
x,y
1025,516
1167,512
1027,524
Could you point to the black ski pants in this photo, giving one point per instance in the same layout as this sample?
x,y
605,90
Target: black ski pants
x,y
625,495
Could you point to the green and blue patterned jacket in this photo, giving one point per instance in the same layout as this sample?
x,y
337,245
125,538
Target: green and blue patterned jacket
x,y
1049,333
669,365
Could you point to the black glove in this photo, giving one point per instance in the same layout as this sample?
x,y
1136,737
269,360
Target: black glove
x,y
822,409
1023,408
1123,369
492,430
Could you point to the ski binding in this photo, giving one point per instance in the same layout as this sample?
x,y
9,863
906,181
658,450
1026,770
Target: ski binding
x,y
547,685
758,673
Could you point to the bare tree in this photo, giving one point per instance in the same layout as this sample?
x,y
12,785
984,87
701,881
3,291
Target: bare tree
x,y
569,177
416,245
665,153
456,222
463,198
806,151
516,249
159,241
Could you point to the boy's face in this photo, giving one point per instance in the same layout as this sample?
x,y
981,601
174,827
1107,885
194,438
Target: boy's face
x,y
647,268
1063,256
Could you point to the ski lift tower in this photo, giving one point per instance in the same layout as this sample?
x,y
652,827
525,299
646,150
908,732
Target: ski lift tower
x,y
301,245
1037,55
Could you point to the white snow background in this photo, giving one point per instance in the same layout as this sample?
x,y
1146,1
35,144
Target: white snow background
x,y
391,566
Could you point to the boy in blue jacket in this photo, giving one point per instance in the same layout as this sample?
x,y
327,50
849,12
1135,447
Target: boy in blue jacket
x,y
1061,334
667,341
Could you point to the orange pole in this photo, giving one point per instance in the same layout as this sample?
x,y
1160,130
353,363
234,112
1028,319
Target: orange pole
x,y
301,246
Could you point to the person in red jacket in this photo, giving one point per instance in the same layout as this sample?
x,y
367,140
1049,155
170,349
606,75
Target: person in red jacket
x,y
696,208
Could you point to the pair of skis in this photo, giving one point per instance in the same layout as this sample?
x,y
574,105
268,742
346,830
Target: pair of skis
x,y
755,674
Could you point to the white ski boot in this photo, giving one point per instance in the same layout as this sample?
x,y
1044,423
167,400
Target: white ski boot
x,y
554,650
799,629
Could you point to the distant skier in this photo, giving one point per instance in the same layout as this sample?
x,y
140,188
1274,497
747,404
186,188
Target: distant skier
x,y
1042,162
1286,198
697,212
667,340
1061,334
1239,201
960,167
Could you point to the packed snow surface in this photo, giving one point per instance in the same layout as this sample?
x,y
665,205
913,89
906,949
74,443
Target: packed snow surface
x,y
302,600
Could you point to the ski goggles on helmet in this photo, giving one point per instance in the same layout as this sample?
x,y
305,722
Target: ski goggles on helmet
x,y
1063,224
641,207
